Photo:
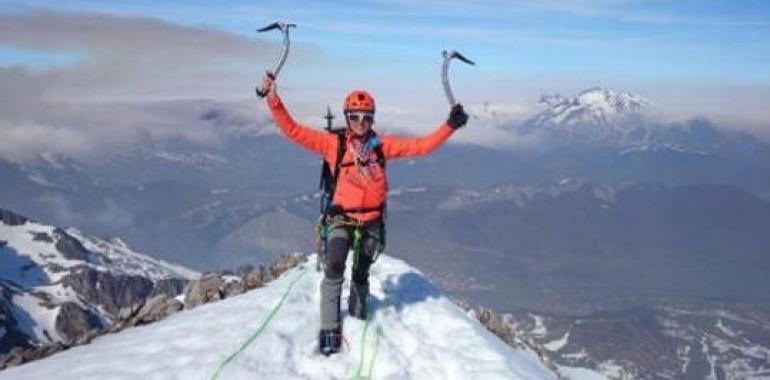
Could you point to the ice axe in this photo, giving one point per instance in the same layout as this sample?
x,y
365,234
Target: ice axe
x,y
448,56
284,28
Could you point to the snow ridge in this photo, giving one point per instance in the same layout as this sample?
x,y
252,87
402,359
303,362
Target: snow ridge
x,y
416,332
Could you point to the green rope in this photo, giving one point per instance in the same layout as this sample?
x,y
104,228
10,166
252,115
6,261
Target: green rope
x,y
362,357
259,330
362,344
376,351
357,235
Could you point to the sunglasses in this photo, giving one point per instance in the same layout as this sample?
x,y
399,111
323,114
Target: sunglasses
x,y
359,117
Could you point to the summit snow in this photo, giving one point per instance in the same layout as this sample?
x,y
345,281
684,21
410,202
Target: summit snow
x,y
415,332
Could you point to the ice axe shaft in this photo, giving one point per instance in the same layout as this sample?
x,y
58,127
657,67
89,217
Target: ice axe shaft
x,y
284,28
448,56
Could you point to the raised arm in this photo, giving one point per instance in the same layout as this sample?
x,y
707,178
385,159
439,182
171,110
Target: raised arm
x,y
314,140
395,147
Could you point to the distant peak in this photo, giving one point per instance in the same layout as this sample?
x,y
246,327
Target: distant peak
x,y
11,218
593,106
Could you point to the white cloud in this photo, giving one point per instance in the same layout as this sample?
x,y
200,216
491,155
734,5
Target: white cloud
x,y
138,80
132,57
142,79
22,141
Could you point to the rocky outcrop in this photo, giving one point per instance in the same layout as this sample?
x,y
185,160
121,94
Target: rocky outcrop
x,y
71,248
497,325
12,337
42,236
11,218
19,356
135,301
157,308
214,287
73,322
124,300
209,288
169,287
117,292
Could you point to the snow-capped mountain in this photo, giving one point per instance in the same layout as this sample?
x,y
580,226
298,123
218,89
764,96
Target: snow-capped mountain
x,y
415,332
593,115
593,106
57,285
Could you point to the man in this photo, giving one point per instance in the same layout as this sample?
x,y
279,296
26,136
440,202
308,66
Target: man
x,y
356,212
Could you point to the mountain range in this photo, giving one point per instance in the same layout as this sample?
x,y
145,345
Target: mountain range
x,y
611,209
58,285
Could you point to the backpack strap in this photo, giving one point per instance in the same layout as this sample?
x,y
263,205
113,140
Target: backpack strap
x,y
328,181
380,155
341,147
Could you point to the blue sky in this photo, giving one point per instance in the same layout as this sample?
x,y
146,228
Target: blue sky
x,y
708,41
690,58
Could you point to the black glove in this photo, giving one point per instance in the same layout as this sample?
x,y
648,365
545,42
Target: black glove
x,y
267,83
457,116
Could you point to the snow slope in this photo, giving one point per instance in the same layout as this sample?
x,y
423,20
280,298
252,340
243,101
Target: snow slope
x,y
416,332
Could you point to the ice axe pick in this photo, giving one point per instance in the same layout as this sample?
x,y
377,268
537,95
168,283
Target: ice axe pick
x,y
284,28
448,56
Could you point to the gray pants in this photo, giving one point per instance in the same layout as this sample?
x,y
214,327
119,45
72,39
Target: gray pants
x,y
341,238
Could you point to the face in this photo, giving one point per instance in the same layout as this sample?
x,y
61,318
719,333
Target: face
x,y
360,122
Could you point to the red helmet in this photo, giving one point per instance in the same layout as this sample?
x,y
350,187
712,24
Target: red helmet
x,y
359,100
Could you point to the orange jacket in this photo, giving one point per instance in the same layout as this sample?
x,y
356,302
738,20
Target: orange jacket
x,y
354,189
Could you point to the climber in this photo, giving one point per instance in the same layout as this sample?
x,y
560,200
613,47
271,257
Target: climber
x,y
355,214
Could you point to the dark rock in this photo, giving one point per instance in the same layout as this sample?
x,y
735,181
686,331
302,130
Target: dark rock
x,y
155,309
170,287
118,292
112,292
70,247
214,286
286,262
207,289
20,356
233,288
254,278
73,322
41,236
11,218
12,359
13,336
495,324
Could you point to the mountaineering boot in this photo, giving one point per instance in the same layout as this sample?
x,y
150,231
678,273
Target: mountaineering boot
x,y
357,300
329,341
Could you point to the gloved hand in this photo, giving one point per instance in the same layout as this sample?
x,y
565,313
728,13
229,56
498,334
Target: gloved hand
x,y
457,116
267,86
